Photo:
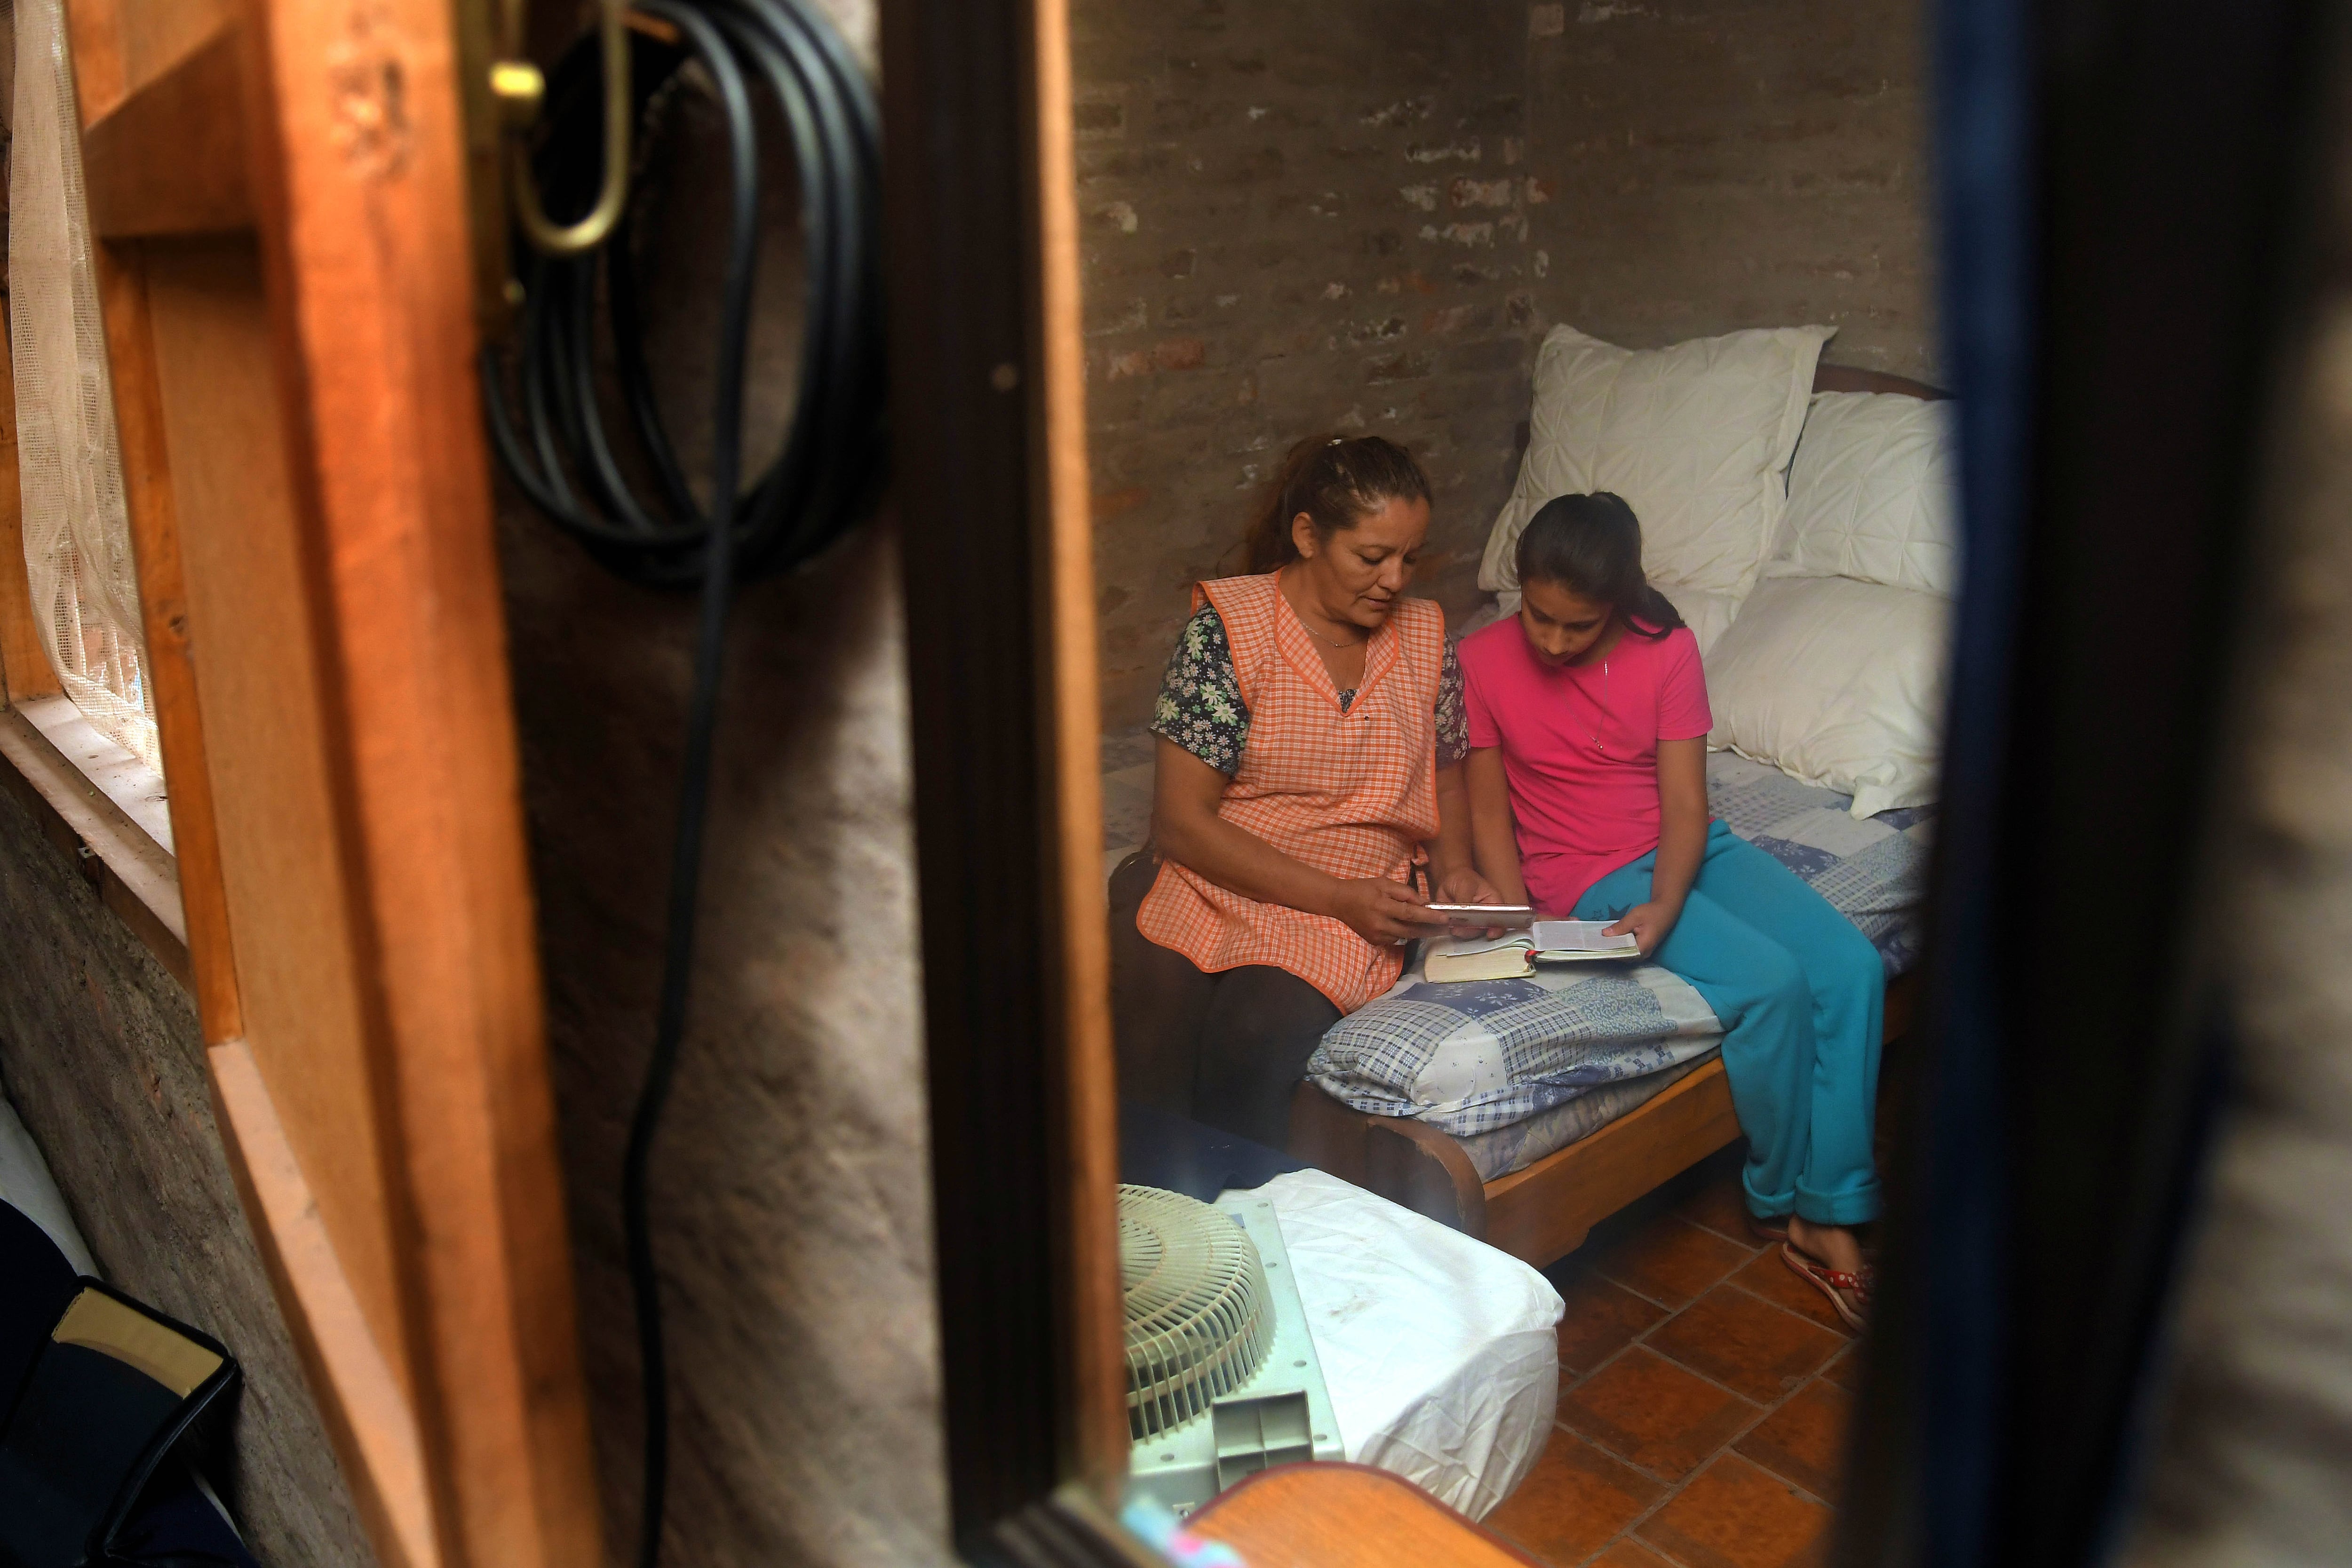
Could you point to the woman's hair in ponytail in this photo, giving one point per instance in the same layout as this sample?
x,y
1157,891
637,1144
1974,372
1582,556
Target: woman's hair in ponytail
x,y
1591,546
1337,482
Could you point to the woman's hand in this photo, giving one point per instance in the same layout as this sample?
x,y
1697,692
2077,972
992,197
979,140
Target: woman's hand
x,y
1650,924
1384,912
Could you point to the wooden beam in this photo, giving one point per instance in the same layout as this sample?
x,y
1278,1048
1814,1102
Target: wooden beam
x,y
289,317
1093,1305
122,46
270,751
170,158
164,604
365,1409
358,181
94,33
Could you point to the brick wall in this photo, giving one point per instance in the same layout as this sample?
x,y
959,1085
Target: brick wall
x,y
1298,218
1364,215
1724,163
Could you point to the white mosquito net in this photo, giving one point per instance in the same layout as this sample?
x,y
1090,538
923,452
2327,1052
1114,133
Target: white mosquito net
x,y
76,530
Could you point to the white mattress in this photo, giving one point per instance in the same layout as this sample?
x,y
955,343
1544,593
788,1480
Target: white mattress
x,y
1440,1352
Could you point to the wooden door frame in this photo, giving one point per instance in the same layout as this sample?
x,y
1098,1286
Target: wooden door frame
x,y
289,182
988,402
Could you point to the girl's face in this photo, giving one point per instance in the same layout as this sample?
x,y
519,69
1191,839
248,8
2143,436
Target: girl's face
x,y
1357,574
1562,626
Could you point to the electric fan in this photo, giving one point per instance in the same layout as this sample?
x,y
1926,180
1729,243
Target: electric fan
x,y
1221,1378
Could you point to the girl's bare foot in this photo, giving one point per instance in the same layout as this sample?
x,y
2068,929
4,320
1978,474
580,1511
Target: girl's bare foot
x,y
1834,1244
1829,1258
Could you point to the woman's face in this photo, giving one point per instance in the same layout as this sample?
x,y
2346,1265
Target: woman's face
x,y
1359,574
1562,626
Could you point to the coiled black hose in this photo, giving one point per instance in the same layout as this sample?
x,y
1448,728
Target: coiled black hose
x,y
819,485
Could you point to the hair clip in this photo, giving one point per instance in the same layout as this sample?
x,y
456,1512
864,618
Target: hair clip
x,y
1337,441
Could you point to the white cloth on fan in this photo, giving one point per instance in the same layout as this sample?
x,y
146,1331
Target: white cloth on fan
x,y
1440,1352
25,1183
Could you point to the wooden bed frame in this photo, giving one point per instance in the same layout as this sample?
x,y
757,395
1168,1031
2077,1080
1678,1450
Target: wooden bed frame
x,y
1543,1212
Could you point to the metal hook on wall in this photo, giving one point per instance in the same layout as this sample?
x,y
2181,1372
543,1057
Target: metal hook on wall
x,y
520,88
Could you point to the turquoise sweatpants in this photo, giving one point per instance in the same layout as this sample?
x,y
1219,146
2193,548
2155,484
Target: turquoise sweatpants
x,y
1800,993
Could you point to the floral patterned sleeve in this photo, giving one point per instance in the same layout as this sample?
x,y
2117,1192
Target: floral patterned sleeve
x,y
1453,719
1201,707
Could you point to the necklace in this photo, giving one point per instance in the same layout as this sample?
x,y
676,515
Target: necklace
x,y
1331,642
1598,743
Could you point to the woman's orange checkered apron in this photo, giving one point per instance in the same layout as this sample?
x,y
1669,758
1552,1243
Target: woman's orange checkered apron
x,y
1353,793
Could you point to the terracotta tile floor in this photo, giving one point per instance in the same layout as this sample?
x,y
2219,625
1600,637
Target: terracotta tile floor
x,y
1704,1395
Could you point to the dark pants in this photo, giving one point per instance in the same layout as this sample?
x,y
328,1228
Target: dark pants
x,y
1227,1049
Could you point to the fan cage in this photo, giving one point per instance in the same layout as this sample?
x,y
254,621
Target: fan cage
x,y
1199,1322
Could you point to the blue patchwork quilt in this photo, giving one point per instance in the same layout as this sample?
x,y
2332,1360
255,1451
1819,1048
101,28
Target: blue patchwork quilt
x,y
1474,1056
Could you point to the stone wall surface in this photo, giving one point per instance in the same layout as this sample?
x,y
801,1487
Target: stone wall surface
x,y
792,1180
1363,215
791,1195
100,1053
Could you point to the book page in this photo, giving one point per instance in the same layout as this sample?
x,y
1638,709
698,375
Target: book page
x,y
1464,946
1581,936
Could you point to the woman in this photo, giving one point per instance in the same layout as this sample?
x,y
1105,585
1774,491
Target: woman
x,y
1588,718
1309,766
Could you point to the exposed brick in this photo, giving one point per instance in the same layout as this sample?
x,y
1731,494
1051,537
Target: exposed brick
x,y
1097,121
1400,368
1109,504
1361,214
1456,319
1468,192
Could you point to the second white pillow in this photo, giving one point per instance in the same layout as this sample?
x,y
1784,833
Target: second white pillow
x,y
1874,494
1838,682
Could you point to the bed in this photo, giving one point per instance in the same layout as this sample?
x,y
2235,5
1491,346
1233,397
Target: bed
x,y
1451,1103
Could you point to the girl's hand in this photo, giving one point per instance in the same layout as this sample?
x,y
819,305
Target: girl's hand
x,y
1464,886
1650,924
1384,912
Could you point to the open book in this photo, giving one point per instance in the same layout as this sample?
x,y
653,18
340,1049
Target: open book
x,y
1515,954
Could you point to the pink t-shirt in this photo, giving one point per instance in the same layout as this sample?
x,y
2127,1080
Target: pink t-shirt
x,y
1580,747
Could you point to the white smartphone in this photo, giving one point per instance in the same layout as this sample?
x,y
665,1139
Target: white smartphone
x,y
1484,917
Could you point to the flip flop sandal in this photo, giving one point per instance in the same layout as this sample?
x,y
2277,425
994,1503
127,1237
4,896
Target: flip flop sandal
x,y
1849,1293
1771,1227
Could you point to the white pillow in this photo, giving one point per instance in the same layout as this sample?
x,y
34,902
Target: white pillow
x,y
1696,437
1874,494
1838,682
1707,615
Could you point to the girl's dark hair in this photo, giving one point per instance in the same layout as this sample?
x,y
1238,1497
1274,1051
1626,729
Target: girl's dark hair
x,y
1591,546
1337,482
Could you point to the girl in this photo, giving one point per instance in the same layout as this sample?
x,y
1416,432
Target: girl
x,y
1310,734
1587,720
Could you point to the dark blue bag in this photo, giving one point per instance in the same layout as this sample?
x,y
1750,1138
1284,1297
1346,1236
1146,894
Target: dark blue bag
x,y
96,1393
